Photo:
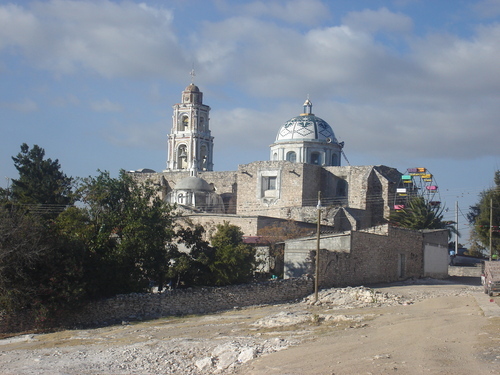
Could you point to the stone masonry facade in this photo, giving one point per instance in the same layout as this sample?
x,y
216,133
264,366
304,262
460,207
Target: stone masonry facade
x,y
354,197
382,254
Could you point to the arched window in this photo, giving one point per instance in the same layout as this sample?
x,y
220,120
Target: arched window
x,y
204,158
183,123
315,158
275,156
182,157
291,156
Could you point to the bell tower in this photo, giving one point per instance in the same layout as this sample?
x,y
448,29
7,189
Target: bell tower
x,y
190,144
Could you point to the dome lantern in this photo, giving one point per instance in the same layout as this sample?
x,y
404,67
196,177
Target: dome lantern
x,y
308,107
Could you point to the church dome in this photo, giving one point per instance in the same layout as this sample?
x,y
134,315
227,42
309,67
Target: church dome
x,y
192,88
307,139
193,183
306,127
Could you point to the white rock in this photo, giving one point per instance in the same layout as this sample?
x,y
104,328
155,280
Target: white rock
x,y
227,359
246,355
204,363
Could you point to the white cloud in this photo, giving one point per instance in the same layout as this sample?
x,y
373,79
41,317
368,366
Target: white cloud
x,y
372,21
112,39
305,12
17,26
461,67
435,100
487,8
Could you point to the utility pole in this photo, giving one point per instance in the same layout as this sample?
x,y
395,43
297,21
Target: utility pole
x,y
491,227
316,276
456,228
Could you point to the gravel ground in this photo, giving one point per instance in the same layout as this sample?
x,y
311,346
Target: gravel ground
x,y
211,344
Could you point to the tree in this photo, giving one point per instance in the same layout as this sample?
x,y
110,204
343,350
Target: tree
x,y
130,237
234,262
479,216
192,267
419,215
41,181
4,195
41,275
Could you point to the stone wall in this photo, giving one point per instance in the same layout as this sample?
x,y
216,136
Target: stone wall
x,y
250,225
378,255
368,191
376,258
474,271
190,301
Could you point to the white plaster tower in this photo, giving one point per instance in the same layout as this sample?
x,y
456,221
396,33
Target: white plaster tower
x,y
190,145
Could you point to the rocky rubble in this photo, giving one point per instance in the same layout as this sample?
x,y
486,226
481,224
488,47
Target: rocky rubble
x,y
356,297
151,349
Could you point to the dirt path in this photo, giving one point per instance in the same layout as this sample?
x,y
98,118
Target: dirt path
x,y
444,335
435,328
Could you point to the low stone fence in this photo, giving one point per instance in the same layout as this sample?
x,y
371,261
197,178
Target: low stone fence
x,y
470,271
189,301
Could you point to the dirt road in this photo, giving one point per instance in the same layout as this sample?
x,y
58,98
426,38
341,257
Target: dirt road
x,y
428,327
443,335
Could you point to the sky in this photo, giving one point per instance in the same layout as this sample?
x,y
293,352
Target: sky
x,y
404,83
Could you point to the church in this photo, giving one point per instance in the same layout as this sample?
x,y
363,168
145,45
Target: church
x,y
358,245
305,158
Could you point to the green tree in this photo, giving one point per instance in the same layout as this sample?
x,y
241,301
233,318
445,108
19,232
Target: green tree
x,y
419,215
4,195
479,216
192,267
41,181
130,237
234,261
41,275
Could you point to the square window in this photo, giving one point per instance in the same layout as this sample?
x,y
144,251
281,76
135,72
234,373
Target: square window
x,y
269,182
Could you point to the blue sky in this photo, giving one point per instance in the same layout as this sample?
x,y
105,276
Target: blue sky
x,y
404,83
